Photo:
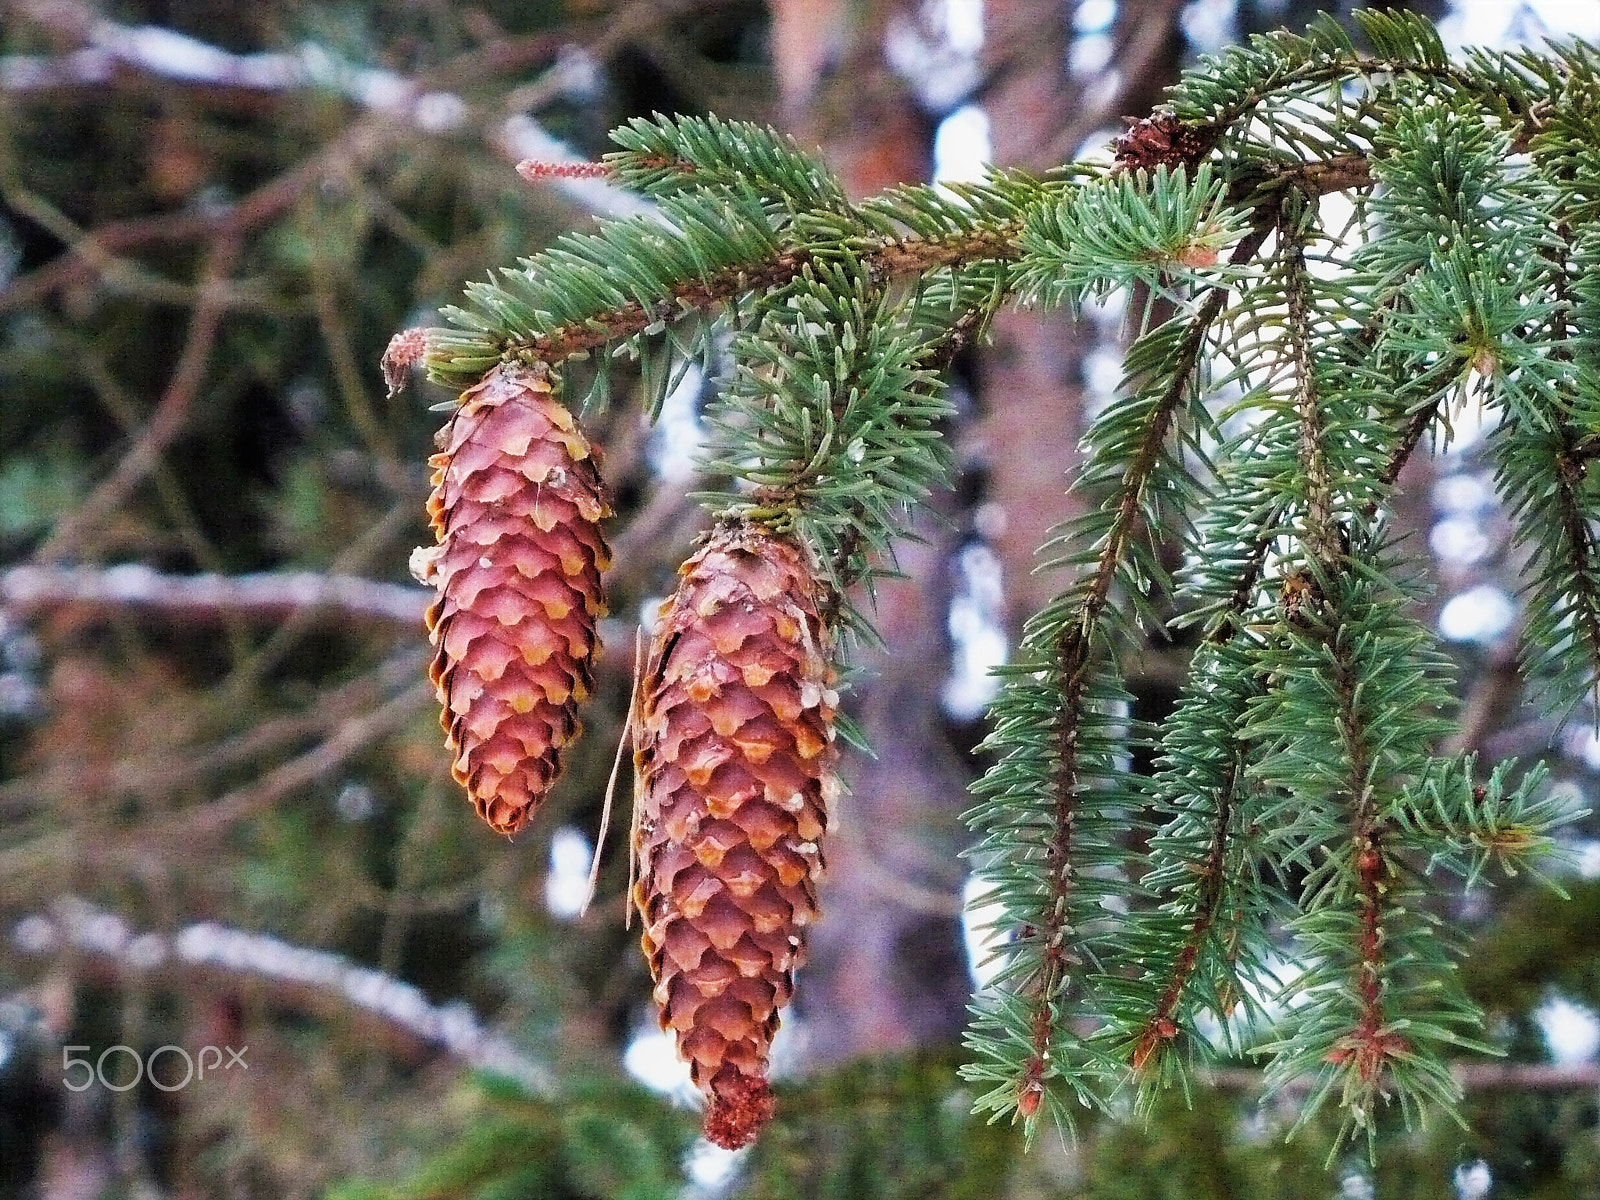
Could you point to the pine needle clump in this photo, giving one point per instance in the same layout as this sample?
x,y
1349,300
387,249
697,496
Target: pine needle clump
x,y
1330,249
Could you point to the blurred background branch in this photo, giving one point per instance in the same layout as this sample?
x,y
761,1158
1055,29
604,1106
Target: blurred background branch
x,y
261,596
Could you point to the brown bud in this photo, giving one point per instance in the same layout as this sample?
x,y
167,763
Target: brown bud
x,y
1030,1098
517,503
734,756
405,350
1161,138
533,170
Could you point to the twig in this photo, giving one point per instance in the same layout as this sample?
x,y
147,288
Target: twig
x,y
265,596
1473,1077
170,414
250,669
402,115
191,827
298,976
349,739
153,773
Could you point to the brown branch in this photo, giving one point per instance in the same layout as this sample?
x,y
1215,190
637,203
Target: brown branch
x,y
1341,173
1160,1029
1245,586
264,596
1368,1048
1570,470
387,1009
1492,696
253,665
1473,1077
1322,538
894,257
1580,555
169,417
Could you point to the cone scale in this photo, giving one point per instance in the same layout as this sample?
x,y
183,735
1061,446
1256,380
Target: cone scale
x,y
516,508
734,760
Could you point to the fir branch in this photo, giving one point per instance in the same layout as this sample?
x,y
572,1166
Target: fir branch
x,y
1300,771
1160,229
1580,552
832,419
1048,709
1579,568
1235,535
1211,913
848,564
1191,852
565,303
1474,824
1346,733
1227,89
1371,1045
1512,280
664,155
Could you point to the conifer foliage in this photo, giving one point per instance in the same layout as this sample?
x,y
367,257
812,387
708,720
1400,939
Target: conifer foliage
x,y
1329,249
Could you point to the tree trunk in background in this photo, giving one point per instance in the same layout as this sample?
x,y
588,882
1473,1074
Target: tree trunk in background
x,y
1032,374
1030,377
835,91
886,968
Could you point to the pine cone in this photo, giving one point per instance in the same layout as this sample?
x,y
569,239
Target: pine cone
x,y
1161,138
516,506
734,755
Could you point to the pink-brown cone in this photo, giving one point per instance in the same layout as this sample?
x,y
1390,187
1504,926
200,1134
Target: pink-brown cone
x,y
516,506
734,755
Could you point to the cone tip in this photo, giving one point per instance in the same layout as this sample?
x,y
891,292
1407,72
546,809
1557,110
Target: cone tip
x,y
740,1107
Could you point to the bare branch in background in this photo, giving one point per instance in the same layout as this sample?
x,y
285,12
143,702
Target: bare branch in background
x,y
265,596
186,829
153,772
300,977
169,417
397,110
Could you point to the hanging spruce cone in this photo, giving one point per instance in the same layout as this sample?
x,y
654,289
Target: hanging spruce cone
x,y
734,755
516,506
